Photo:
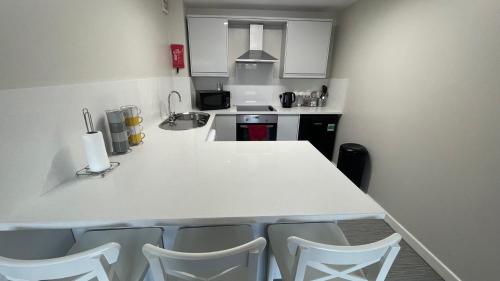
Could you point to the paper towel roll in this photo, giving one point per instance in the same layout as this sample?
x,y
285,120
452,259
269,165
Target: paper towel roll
x,y
97,157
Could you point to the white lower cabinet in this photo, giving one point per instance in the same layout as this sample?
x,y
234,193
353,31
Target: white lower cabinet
x,y
288,127
225,127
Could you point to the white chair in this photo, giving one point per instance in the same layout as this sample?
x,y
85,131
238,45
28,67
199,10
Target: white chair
x,y
103,254
85,265
320,251
208,253
131,264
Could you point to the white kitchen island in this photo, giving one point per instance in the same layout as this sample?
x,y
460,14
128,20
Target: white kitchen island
x,y
177,178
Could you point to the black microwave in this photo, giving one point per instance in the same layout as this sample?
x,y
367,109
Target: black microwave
x,y
211,100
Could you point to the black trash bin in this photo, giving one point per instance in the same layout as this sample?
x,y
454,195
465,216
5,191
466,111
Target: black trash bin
x,y
351,162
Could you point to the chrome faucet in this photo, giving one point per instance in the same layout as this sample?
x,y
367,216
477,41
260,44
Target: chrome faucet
x,y
170,112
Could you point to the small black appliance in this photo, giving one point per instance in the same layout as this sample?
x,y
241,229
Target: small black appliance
x,y
287,99
212,100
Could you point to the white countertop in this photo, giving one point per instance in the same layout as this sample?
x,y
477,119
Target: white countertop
x,y
280,110
176,177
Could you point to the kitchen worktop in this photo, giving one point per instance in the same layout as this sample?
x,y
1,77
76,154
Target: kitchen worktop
x,y
280,110
176,177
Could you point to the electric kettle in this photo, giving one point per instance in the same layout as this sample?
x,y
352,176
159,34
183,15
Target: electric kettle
x,y
287,99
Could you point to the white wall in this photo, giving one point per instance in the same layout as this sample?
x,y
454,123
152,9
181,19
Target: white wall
x,y
176,26
57,42
42,127
58,56
424,98
297,13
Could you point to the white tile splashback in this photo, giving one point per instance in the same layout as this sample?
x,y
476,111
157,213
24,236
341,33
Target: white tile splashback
x,y
41,129
252,94
269,93
184,87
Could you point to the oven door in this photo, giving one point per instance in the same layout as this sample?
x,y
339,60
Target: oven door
x,y
256,127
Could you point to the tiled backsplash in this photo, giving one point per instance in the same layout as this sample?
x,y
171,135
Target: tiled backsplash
x,y
269,93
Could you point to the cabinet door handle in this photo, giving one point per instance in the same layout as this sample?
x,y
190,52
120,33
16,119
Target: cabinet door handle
x,y
318,124
246,127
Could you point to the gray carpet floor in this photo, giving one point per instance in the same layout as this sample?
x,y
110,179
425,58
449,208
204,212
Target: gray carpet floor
x,y
409,266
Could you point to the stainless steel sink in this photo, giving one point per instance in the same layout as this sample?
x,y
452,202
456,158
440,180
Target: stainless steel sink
x,y
185,121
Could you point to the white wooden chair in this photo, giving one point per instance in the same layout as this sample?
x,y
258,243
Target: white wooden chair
x,y
131,264
87,265
208,253
320,251
94,255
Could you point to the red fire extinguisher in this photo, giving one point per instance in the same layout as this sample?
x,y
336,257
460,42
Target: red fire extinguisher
x,y
177,56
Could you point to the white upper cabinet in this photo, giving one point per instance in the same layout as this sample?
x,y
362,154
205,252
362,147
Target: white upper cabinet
x,y
208,46
306,48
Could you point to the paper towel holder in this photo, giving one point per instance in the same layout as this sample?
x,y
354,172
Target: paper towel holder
x,y
87,172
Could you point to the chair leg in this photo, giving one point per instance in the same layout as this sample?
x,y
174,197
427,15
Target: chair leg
x,y
271,266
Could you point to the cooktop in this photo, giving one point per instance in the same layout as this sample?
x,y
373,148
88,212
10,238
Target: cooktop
x,y
254,108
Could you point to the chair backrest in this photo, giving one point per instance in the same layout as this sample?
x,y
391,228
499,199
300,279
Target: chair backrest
x,y
343,262
87,265
204,266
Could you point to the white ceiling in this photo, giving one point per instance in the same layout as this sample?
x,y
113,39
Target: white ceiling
x,y
307,5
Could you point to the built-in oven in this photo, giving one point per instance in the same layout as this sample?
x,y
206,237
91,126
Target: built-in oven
x,y
256,127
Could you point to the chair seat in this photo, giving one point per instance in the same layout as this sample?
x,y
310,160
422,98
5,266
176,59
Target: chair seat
x,y
211,239
131,264
35,244
326,233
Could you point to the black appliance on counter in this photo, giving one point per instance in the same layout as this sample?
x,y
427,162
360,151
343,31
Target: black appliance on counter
x,y
320,131
287,99
256,127
213,100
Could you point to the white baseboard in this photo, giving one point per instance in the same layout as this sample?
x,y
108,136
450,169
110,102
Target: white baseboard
x,y
428,257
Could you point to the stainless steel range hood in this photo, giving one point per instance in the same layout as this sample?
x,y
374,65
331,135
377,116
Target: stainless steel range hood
x,y
256,54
